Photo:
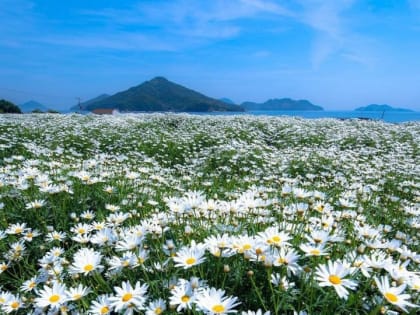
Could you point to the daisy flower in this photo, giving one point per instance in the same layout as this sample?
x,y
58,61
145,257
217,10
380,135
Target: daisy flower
x,y
182,295
127,296
102,306
213,301
36,204
56,236
16,229
54,297
393,294
314,250
78,292
333,275
274,237
156,307
289,258
12,304
86,261
29,285
187,257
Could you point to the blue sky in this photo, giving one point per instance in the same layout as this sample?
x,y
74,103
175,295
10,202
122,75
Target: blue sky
x,y
339,54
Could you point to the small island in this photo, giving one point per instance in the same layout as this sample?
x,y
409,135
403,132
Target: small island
x,y
381,108
282,104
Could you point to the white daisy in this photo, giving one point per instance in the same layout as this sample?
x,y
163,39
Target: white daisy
x,y
128,297
213,301
333,275
54,297
393,294
86,261
187,257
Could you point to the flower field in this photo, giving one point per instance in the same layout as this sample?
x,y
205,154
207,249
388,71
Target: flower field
x,y
167,213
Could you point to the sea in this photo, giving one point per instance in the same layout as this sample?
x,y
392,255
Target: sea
x,y
391,116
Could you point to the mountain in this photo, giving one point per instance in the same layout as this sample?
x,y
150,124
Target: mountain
x,y
227,100
85,104
160,94
381,108
31,106
281,104
9,107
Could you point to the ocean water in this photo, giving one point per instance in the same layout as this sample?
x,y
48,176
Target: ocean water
x,y
392,117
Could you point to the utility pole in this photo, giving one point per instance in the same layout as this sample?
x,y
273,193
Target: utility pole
x,y
80,105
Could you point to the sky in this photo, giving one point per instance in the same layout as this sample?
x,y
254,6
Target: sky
x,y
339,54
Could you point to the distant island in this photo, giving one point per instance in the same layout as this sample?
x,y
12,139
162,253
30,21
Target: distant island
x,y
159,94
282,104
31,106
381,108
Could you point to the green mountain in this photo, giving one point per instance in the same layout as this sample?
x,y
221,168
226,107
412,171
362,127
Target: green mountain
x,y
160,94
32,106
381,108
8,107
84,105
281,104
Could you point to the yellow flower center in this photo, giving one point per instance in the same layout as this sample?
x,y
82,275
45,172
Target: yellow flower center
x,y
391,297
81,231
190,261
54,298
276,239
315,252
104,310
88,268
247,247
14,304
185,298
281,260
218,308
127,297
158,310
334,279
18,230
32,285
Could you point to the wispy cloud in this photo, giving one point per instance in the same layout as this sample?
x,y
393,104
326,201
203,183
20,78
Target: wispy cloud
x,y
414,4
123,41
197,20
334,33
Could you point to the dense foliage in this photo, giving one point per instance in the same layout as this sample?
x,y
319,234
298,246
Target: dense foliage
x,y
8,107
156,214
